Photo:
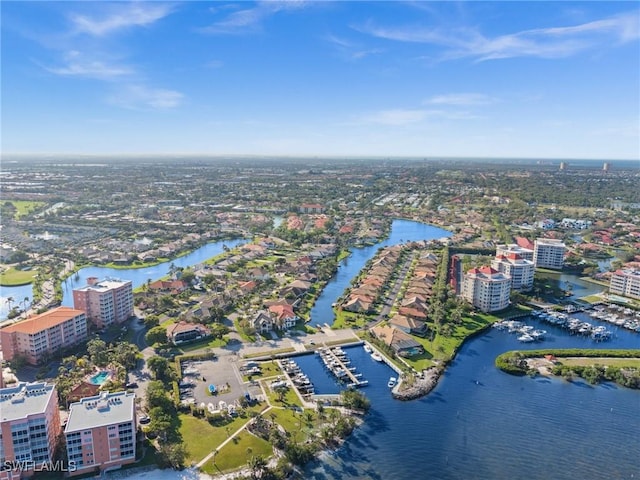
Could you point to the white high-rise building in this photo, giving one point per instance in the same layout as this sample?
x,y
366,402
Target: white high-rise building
x,y
506,250
625,283
549,253
486,289
520,270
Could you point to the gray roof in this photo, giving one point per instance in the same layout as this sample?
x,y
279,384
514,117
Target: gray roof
x,y
24,399
104,409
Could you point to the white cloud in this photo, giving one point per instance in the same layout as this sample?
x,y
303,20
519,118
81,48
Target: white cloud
x,y
554,42
76,65
141,97
461,99
250,19
350,50
129,15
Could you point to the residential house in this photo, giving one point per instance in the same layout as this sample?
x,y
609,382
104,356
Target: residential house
x,y
183,332
262,322
402,343
409,325
283,316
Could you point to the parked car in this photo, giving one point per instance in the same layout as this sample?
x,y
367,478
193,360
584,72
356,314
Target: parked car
x,y
131,385
144,420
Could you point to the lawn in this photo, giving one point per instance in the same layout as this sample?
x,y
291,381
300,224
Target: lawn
x,y
290,397
13,278
269,369
606,361
207,343
200,438
237,453
349,319
25,207
442,348
295,423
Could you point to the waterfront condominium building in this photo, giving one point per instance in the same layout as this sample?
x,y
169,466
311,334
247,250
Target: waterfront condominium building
x,y
101,432
106,302
520,270
548,253
625,283
39,337
29,428
486,289
506,250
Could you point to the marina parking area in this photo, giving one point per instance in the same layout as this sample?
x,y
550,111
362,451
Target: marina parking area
x,y
223,374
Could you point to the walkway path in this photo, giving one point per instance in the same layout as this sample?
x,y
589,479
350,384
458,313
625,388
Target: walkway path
x,y
231,437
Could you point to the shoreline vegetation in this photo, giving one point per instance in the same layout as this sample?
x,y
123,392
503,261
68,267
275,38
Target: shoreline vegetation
x,y
593,365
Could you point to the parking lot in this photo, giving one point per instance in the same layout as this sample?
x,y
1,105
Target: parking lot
x,y
222,372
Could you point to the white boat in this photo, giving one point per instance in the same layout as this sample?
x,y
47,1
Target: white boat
x,y
392,382
526,338
376,356
367,348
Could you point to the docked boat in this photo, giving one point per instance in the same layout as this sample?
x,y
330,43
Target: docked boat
x,y
367,348
392,382
526,338
376,356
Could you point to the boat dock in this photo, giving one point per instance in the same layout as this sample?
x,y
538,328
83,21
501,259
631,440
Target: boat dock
x,y
338,363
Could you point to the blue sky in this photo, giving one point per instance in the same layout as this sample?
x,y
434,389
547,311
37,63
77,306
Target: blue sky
x,y
426,79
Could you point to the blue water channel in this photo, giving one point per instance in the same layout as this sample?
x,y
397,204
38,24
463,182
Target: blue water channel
x,y
481,423
138,276
401,231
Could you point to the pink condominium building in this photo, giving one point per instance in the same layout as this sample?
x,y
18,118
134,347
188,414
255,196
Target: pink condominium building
x,y
106,302
39,337
29,428
101,432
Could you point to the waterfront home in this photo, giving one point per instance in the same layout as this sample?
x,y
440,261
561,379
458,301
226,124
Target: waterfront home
x,y
409,325
357,305
283,316
402,343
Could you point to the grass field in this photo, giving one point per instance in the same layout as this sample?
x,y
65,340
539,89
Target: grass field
x,y
237,453
25,207
12,277
606,361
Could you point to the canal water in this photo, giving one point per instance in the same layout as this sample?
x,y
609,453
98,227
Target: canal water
x,y
138,276
401,231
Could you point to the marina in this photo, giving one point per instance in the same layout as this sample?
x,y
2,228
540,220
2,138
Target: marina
x,y
337,362
574,325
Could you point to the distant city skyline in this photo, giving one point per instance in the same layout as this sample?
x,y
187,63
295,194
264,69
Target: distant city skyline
x,y
550,80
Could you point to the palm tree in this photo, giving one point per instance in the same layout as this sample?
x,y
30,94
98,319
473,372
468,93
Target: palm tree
x,y
10,301
24,306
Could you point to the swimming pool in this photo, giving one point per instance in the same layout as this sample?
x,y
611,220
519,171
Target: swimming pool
x,y
100,377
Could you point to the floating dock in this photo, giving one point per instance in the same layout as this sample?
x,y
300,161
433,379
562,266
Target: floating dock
x,y
338,363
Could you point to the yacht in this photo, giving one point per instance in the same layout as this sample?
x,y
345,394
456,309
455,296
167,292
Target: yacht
x,y
376,356
367,348
526,338
392,382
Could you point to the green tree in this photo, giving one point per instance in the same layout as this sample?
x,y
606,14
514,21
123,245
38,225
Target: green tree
x,y
97,350
156,335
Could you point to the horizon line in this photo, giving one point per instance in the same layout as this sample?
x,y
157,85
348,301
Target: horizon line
x,y
4,155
